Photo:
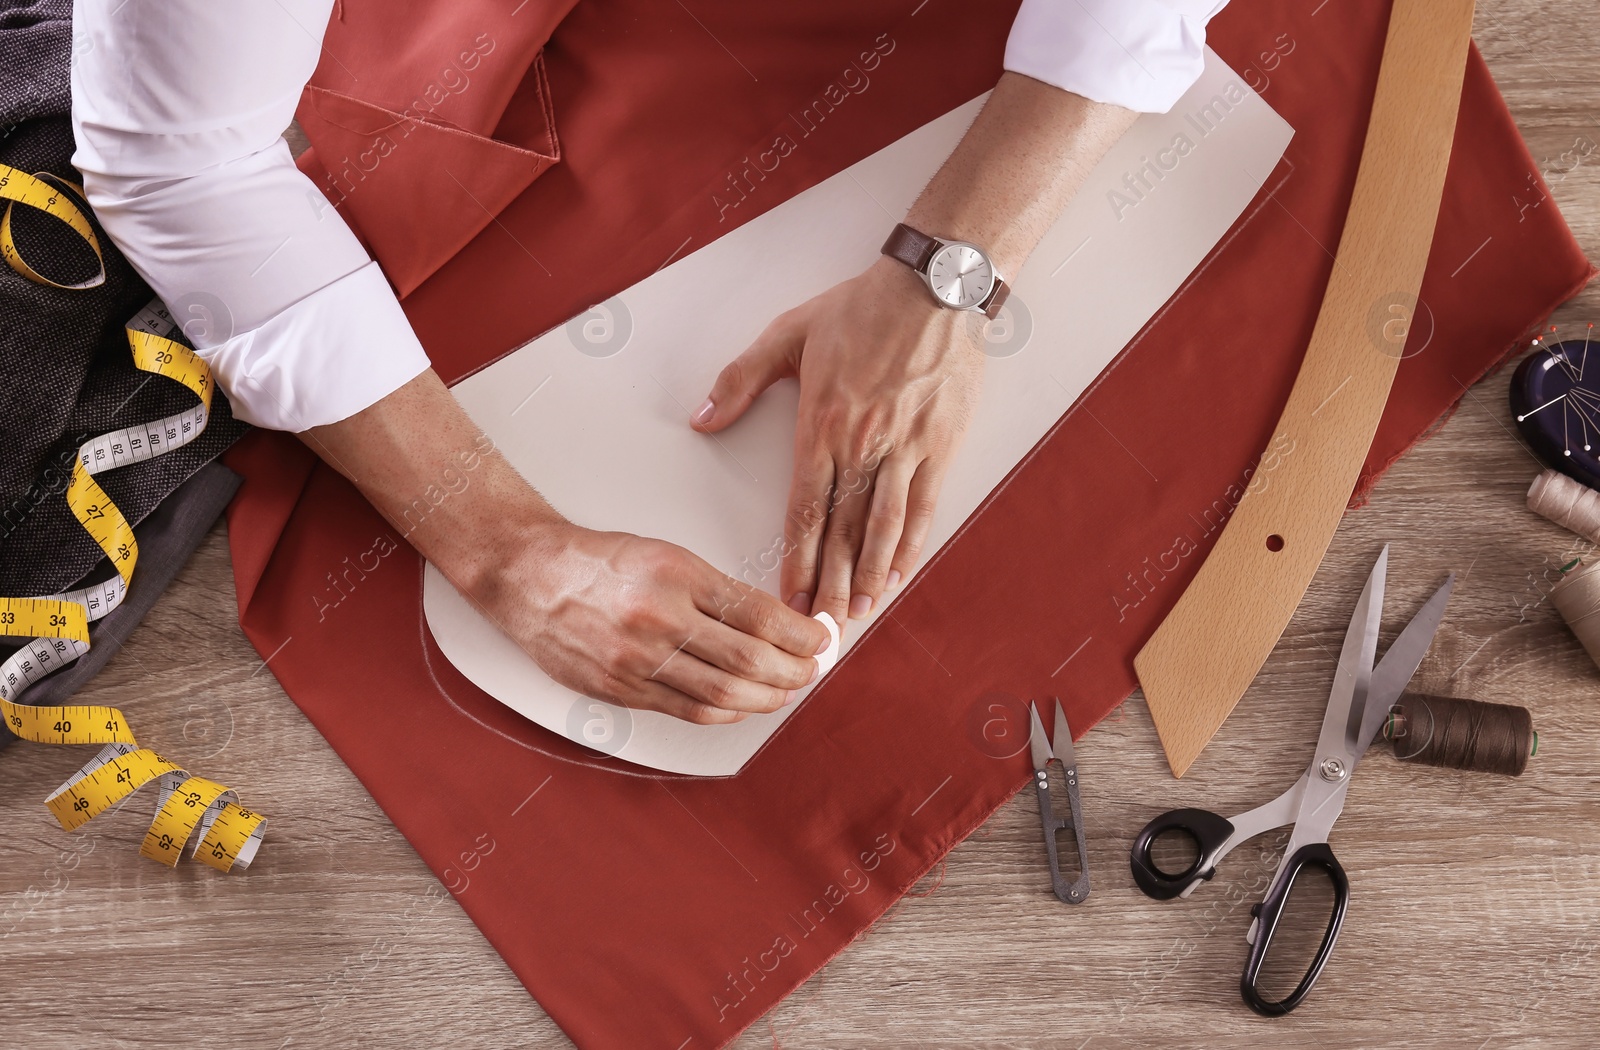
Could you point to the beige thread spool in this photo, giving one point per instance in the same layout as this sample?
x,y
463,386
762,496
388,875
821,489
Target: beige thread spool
x,y
1577,597
1570,504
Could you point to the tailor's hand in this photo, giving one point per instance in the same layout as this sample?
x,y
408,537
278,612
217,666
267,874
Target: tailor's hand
x,y
634,621
646,624
888,382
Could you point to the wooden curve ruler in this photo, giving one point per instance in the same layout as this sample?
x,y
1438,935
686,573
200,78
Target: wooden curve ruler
x,y
1205,654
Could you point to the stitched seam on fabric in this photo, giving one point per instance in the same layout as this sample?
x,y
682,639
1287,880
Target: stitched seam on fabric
x,y
542,87
315,94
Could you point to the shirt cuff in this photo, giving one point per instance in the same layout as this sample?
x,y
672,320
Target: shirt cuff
x,y
1138,54
325,358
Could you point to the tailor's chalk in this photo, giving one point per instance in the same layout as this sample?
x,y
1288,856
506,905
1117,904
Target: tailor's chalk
x,y
829,656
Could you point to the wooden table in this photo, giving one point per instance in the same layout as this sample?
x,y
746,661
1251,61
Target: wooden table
x,y
1475,921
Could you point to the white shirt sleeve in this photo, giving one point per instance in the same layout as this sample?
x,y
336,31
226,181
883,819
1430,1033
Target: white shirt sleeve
x,y
1139,54
179,107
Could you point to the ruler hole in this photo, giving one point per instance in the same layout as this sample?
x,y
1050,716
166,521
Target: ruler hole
x,y
1274,543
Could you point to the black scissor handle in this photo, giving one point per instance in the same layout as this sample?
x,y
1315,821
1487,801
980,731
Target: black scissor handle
x,y
1269,911
1209,832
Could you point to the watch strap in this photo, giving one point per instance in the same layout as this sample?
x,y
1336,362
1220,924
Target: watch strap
x,y
911,247
997,299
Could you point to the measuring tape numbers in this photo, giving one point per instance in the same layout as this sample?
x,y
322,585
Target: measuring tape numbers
x,y
225,835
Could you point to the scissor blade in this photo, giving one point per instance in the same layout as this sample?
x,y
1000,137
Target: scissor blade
x,y
1341,724
1063,738
1328,778
1399,664
1038,743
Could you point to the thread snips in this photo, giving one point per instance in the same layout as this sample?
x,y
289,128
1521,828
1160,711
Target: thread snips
x,y
1061,751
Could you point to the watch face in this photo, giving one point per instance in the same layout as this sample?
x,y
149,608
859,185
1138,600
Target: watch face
x,y
960,275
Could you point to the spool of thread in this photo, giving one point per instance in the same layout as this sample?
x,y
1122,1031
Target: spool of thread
x,y
1456,733
1570,504
1576,597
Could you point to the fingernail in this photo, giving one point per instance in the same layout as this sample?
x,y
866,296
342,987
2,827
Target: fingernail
x,y
789,698
894,579
800,603
816,671
860,605
704,412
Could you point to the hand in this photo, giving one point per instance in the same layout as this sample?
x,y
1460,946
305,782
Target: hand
x,y
633,621
646,624
888,382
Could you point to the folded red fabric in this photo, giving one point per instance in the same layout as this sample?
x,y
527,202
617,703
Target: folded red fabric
x,y
426,121
649,910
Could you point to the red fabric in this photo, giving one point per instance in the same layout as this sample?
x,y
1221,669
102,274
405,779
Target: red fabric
x,y
647,910
447,121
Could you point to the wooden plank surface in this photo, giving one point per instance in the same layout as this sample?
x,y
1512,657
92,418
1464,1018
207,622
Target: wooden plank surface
x,y
1475,921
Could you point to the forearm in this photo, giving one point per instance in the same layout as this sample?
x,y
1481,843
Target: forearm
x,y
439,480
632,621
1022,160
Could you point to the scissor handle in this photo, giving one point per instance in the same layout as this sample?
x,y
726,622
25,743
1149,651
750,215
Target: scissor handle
x,y
1269,911
1210,833
1068,892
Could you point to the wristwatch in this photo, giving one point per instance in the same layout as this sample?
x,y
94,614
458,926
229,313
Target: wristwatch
x,y
960,275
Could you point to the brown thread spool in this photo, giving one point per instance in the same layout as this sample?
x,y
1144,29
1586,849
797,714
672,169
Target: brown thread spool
x,y
1455,733
1576,597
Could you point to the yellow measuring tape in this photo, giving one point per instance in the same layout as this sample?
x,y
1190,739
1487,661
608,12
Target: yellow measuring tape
x,y
226,835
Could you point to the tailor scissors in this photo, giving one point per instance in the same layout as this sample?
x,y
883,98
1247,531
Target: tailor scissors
x,y
1357,707
1043,753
